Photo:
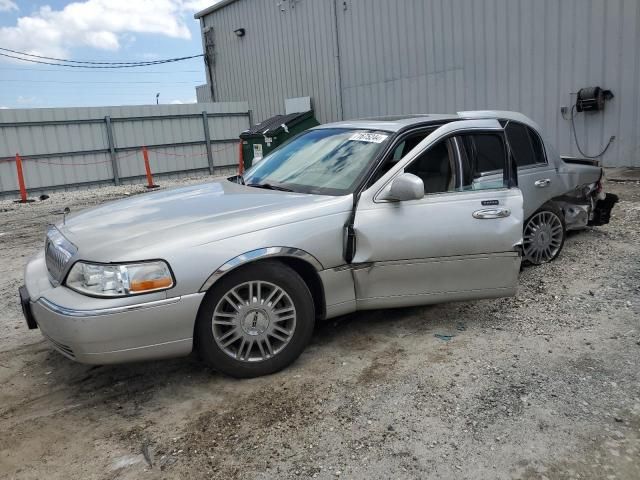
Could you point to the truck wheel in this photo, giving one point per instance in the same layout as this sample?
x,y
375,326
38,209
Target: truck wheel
x,y
255,321
544,235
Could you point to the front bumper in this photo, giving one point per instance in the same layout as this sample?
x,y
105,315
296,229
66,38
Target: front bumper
x,y
102,331
25,303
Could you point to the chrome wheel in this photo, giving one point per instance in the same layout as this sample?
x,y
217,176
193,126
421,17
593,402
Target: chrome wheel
x,y
254,321
543,237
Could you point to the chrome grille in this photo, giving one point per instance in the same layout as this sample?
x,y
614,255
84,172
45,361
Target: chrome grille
x,y
55,260
57,253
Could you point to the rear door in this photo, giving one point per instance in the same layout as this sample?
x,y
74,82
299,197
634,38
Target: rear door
x,y
536,178
461,241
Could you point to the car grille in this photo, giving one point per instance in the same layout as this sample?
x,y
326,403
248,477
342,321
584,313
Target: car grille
x,y
57,253
56,261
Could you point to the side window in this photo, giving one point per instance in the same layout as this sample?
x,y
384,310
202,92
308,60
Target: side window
x,y
482,159
487,153
538,149
525,145
399,151
436,168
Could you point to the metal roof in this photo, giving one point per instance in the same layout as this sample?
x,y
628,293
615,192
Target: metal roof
x,y
216,6
500,114
398,122
390,124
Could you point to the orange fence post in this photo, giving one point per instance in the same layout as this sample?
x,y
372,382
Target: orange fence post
x,y
240,159
150,183
23,189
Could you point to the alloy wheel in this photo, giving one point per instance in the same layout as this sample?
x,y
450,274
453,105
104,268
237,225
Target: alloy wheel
x,y
254,321
543,237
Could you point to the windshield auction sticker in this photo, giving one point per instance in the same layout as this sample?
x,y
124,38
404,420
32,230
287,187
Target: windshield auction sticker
x,y
368,137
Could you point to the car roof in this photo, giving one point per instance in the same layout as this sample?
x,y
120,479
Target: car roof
x,y
399,122
390,123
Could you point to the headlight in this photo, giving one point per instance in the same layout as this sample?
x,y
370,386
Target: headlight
x,y
119,280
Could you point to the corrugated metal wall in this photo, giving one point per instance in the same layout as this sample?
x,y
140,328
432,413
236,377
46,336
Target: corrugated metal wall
x,y
68,147
439,56
286,52
203,93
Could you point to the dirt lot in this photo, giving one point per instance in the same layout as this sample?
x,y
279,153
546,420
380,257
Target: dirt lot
x,y
544,385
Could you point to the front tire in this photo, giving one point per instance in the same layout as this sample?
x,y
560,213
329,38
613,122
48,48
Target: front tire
x,y
544,235
255,321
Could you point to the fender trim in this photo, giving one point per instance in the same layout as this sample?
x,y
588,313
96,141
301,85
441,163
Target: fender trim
x,y
259,254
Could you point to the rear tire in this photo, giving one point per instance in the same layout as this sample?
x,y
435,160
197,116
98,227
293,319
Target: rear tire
x,y
544,235
255,321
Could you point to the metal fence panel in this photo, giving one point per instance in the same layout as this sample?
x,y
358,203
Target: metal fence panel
x,y
69,147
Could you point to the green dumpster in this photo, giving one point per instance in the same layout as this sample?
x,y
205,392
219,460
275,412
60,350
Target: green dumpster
x,y
261,139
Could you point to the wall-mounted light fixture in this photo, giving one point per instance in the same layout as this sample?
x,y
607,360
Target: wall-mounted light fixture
x,y
240,32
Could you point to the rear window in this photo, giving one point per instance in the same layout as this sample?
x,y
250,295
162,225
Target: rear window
x,y
525,144
538,149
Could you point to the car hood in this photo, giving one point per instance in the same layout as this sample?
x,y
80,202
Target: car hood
x,y
189,216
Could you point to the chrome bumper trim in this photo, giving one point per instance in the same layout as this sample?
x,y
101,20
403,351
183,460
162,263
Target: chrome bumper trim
x,y
71,312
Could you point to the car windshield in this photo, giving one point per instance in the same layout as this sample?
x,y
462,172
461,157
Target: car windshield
x,y
326,161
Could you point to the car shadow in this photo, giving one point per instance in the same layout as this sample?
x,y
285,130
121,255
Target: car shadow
x,y
128,390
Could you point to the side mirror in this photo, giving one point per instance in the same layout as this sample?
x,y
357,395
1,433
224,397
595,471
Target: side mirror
x,y
405,186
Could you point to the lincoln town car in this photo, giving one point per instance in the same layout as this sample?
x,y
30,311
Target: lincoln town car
x,y
348,216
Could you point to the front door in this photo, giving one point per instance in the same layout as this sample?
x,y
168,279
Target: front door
x,y
460,241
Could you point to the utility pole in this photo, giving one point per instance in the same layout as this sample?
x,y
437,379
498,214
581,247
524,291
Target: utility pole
x,y
209,58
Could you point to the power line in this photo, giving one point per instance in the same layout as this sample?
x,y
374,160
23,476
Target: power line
x,y
90,62
84,82
150,72
109,92
160,62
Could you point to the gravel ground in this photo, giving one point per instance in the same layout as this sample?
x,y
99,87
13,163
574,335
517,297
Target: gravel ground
x,y
544,385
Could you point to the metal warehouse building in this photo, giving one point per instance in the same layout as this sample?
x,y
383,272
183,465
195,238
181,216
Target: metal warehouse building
x,y
359,58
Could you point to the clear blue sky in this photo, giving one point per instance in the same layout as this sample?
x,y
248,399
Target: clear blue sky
x,y
100,30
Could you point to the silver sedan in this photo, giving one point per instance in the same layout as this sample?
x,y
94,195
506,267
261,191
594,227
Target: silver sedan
x,y
348,216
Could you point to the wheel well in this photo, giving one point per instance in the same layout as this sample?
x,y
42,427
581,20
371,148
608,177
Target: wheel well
x,y
548,205
311,278
308,273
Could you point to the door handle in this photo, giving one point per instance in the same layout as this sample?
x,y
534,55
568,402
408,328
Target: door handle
x,y
543,183
489,213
